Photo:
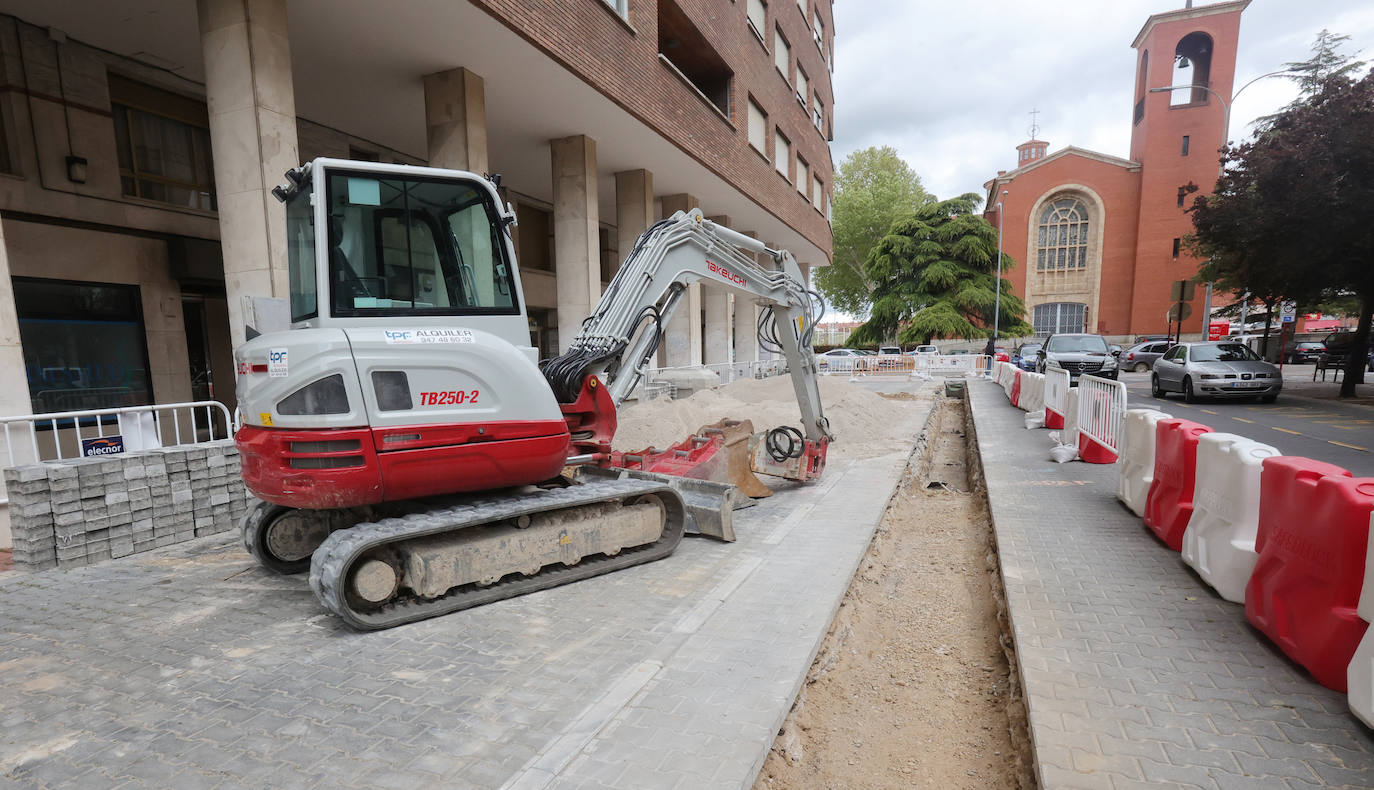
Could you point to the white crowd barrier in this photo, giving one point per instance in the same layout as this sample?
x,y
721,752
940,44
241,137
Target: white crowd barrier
x,y
1056,397
1032,392
966,365
1136,461
1069,434
897,367
1220,540
1359,676
1101,412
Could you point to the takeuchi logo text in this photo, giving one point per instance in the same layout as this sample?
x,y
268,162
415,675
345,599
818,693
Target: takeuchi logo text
x,y
721,271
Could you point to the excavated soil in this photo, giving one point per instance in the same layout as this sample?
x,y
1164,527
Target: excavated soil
x,y
865,424
912,686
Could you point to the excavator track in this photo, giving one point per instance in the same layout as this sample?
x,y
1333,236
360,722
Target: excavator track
x,y
366,547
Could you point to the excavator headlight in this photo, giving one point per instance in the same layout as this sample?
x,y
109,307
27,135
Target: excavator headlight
x,y
324,396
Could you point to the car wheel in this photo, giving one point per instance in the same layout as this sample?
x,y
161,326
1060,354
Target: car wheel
x,y
1188,395
1156,390
1141,367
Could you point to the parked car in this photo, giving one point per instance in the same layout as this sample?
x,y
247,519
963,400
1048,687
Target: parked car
x,y
1303,353
837,359
1141,357
1154,339
1338,347
921,351
1024,357
893,350
1215,369
1078,354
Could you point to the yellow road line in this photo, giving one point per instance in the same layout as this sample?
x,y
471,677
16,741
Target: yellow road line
x,y
1285,430
1351,446
1242,419
1209,411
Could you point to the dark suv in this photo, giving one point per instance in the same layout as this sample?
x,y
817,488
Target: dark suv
x,y
1339,345
1078,354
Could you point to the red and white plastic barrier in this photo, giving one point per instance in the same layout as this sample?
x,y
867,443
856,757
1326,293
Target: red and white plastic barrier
x,y
1136,461
1069,433
1032,392
1101,418
1056,398
1312,543
1359,675
1015,394
1169,504
1220,540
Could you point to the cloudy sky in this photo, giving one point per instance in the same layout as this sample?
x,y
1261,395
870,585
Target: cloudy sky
x,y
951,85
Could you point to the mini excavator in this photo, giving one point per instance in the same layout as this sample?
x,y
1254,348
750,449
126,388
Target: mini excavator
x,y
408,448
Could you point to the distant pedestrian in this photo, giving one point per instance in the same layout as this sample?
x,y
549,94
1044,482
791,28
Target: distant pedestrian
x,y
990,348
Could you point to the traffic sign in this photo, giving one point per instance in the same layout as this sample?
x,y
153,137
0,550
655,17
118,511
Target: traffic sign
x,y
1288,312
1180,311
1181,291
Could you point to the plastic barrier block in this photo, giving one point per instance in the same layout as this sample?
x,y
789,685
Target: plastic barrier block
x,y
1312,542
1136,464
1015,394
1220,541
1069,434
1032,392
1359,675
1169,504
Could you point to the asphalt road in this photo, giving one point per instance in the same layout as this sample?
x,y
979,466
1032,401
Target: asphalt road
x,y
1325,430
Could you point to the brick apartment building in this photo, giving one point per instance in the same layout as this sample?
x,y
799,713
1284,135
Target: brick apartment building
x,y
140,139
1097,237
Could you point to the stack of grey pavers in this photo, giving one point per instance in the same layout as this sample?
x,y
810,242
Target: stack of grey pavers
x,y
66,514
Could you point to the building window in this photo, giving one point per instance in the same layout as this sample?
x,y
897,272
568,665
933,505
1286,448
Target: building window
x,y
782,154
1176,245
684,47
818,29
817,192
1062,239
758,128
1185,145
621,7
803,85
782,53
803,177
818,112
84,345
1057,317
1193,55
163,143
1182,192
758,15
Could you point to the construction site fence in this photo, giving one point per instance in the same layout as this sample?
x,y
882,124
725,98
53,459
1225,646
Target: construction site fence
x,y
905,367
67,435
657,386
1101,417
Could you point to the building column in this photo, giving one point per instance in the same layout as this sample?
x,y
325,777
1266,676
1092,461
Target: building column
x,y
576,228
456,120
746,321
634,209
252,107
716,303
683,340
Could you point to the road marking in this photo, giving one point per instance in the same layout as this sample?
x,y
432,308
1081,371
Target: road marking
x,y
1209,411
1285,430
1242,419
1351,446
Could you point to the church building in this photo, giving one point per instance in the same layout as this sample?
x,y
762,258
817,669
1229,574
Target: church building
x,y
1097,237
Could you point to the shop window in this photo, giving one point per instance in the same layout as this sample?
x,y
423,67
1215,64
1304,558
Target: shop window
x,y
687,50
84,345
163,143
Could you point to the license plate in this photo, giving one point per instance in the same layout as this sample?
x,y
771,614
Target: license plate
x,y
1246,385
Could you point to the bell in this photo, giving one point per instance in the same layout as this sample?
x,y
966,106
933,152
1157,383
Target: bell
x,y
1183,62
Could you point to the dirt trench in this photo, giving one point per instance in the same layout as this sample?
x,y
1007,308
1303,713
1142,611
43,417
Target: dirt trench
x,y
912,686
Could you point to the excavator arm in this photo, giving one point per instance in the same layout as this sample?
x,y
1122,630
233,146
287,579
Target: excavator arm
x,y
618,341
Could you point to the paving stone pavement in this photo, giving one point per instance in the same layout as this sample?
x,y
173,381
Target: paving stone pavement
x,y
1136,673
191,667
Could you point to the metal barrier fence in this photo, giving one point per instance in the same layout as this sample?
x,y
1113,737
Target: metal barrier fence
x,y
926,366
1102,412
656,386
1056,394
97,432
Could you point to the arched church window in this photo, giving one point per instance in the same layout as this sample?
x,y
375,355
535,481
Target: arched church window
x,y
1193,57
1062,239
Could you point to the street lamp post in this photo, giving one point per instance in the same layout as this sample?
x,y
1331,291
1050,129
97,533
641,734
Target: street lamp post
x,y
1221,168
997,305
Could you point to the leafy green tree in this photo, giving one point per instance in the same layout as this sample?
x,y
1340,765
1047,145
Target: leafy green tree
x,y
1291,214
934,275
873,189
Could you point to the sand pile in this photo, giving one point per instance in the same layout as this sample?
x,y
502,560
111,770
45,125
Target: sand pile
x,y
865,424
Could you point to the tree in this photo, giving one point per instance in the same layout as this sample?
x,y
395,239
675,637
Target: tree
x,y
873,188
1291,213
934,275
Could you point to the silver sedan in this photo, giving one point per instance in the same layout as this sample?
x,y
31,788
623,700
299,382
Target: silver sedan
x,y
1215,370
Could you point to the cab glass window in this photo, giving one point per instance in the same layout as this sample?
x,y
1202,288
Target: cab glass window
x,y
415,246
300,256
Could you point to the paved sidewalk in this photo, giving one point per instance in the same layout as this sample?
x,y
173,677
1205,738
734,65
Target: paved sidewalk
x,y
190,667
1136,674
